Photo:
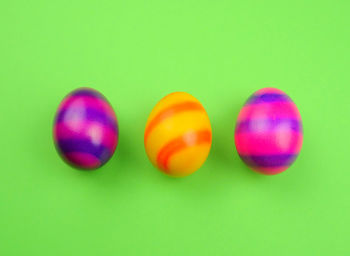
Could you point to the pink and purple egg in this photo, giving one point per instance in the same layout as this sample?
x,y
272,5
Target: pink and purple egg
x,y
269,132
85,129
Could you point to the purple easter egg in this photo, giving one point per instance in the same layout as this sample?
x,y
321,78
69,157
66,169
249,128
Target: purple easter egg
x,y
269,132
85,130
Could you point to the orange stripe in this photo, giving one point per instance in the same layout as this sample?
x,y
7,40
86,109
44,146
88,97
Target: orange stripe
x,y
180,143
170,111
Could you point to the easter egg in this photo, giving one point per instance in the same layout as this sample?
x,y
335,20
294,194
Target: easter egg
x,y
85,129
269,133
178,134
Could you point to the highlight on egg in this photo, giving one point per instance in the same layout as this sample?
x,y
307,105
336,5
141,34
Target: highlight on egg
x,y
269,132
85,129
178,135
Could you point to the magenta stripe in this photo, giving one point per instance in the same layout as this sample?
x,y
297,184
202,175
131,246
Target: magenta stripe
x,y
88,102
286,142
82,160
81,115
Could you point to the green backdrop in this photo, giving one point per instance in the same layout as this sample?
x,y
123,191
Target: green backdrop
x,y
136,52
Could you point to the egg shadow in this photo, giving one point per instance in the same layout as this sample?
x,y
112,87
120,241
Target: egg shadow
x,y
47,146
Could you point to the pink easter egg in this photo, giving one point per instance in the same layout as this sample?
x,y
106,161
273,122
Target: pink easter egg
x,y
269,133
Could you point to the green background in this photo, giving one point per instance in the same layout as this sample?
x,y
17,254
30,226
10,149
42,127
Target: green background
x,y
136,52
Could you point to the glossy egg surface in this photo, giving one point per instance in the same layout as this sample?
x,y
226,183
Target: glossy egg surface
x,y
178,134
269,133
85,129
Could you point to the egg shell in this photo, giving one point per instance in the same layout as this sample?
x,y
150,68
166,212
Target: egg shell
x,y
85,129
178,134
269,132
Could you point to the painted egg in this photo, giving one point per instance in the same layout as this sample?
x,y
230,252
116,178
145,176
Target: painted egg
x,y
85,129
178,134
269,133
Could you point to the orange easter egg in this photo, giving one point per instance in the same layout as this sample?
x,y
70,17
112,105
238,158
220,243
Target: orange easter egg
x,y
178,135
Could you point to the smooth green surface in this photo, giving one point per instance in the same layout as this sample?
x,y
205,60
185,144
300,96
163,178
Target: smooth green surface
x,y
136,52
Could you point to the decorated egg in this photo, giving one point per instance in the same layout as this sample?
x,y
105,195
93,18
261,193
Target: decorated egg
x,y
178,134
85,129
269,133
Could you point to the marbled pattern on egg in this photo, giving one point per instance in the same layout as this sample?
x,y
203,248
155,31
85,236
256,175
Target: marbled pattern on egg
x,y
269,133
85,129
